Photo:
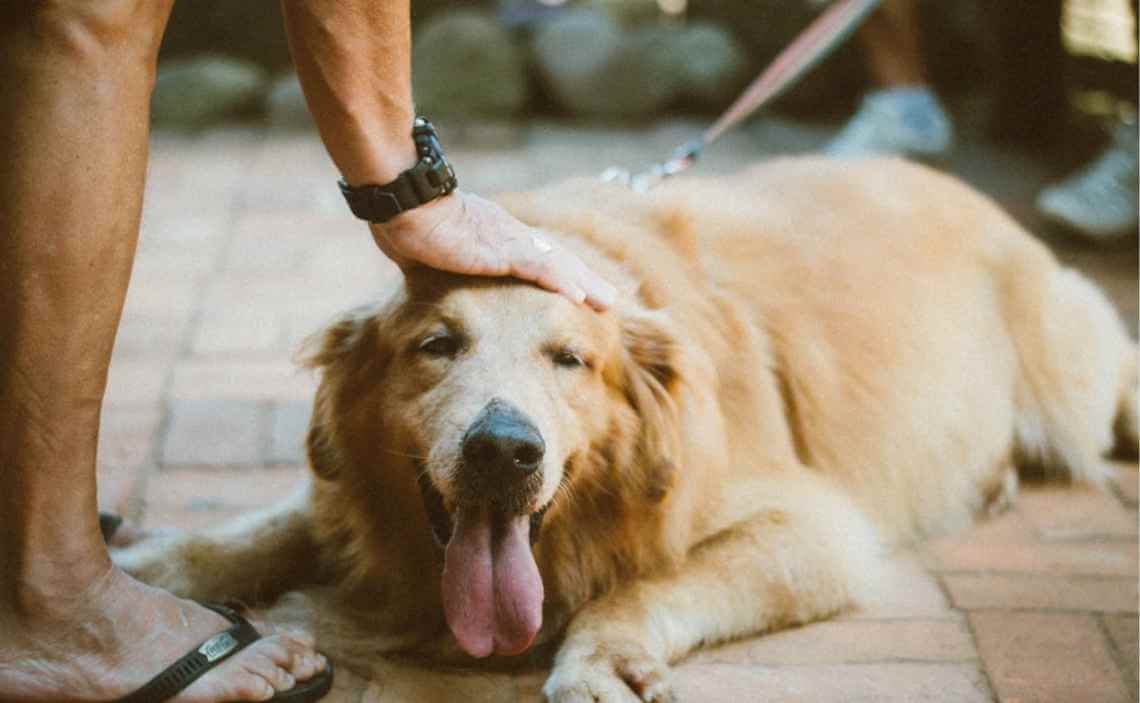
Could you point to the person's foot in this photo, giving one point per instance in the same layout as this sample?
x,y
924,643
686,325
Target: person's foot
x,y
113,639
1100,200
904,121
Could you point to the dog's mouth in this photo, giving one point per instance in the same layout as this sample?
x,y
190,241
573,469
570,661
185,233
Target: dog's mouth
x,y
492,591
440,519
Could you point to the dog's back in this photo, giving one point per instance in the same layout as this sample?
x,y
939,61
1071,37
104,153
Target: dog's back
x,y
924,345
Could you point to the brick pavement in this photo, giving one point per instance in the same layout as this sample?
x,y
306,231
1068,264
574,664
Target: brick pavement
x,y
246,249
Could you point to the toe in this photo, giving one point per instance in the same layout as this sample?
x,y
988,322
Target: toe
x,y
231,681
264,666
303,662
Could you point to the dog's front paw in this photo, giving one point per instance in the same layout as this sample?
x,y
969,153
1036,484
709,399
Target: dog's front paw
x,y
608,672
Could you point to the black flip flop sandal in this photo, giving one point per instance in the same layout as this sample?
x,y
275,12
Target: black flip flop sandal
x,y
109,524
179,675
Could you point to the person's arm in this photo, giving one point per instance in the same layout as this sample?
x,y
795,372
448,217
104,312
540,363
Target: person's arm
x,y
353,58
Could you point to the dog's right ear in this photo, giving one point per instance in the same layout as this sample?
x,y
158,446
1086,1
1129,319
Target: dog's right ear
x,y
324,458
341,351
339,340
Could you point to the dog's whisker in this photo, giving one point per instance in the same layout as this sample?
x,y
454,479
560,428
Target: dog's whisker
x,y
396,452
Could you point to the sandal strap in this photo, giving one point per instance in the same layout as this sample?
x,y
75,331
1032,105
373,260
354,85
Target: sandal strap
x,y
109,523
194,664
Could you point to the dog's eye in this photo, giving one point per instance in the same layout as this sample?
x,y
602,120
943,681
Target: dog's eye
x,y
568,359
440,345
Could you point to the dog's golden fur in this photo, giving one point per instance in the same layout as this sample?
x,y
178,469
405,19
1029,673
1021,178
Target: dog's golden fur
x,y
811,361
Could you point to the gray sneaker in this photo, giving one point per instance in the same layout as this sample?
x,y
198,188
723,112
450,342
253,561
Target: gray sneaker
x,y
904,121
1100,200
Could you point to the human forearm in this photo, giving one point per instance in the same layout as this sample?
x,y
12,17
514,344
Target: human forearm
x,y
353,58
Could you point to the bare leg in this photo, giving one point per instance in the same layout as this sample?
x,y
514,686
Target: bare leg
x,y
75,81
891,39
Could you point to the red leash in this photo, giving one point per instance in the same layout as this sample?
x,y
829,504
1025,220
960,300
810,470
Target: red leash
x,y
821,37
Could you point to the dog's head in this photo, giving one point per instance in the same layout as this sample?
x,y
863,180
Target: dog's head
x,y
491,399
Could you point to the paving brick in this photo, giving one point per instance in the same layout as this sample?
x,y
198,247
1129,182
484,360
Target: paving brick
x,y
282,242
196,233
213,433
1008,528
170,295
1075,514
906,591
850,641
276,379
1047,657
149,337
851,683
240,331
1122,631
126,438
289,424
1096,558
191,498
135,384
1042,592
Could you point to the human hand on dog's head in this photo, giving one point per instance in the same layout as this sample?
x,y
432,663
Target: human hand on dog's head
x,y
466,234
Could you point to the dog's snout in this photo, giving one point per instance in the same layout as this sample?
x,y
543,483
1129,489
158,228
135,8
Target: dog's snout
x,y
504,442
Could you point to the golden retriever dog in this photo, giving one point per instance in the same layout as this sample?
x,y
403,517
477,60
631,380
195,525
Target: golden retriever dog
x,y
810,362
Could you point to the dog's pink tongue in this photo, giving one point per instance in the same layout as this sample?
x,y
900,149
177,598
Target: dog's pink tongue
x,y
492,593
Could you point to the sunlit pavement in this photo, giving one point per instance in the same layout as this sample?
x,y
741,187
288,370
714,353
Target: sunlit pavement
x,y
247,248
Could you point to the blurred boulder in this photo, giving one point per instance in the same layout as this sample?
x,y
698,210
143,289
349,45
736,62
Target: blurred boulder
x,y
193,93
594,68
628,13
251,30
465,64
713,66
766,27
285,105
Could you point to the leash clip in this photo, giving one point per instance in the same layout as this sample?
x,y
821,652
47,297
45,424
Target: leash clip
x,y
681,159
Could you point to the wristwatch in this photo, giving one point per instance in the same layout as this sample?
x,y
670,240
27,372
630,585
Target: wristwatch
x,y
432,177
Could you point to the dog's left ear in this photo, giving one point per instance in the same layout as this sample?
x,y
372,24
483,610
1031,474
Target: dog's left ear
x,y
652,381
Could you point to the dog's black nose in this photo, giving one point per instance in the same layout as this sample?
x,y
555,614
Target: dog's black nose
x,y
503,441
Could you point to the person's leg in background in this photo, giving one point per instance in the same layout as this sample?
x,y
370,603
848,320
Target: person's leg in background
x,y
1099,200
1030,100
75,83
902,115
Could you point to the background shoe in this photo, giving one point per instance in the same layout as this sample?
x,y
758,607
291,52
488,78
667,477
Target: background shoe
x,y
1100,200
903,121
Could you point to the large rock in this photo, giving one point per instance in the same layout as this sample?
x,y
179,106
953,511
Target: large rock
x,y
193,93
712,64
766,27
591,67
465,64
285,105
251,30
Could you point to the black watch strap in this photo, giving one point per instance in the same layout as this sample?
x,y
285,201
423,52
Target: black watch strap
x,y
432,177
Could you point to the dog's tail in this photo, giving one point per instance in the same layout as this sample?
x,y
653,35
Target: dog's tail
x,y
1079,376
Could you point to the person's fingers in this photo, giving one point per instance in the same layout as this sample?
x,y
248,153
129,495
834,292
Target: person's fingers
x,y
600,293
548,271
559,270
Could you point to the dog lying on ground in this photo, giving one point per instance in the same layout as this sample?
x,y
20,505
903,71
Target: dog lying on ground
x,y
812,360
